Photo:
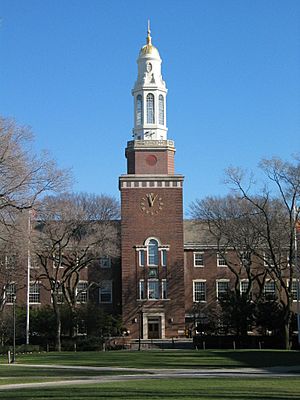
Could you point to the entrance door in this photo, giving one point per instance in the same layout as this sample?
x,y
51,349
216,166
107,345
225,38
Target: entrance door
x,y
153,328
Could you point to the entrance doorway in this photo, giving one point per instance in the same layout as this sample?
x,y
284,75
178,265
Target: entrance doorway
x,y
154,328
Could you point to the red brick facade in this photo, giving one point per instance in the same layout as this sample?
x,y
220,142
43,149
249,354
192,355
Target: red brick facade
x,y
152,208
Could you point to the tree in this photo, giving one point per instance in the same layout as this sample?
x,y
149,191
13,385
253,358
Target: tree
x,y
264,225
24,176
72,232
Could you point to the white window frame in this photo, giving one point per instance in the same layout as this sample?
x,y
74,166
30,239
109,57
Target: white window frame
x,y
36,284
139,110
241,285
195,281
163,257
140,252
107,289
195,254
150,108
217,286
142,292
294,291
161,110
221,262
82,292
156,281
9,293
268,292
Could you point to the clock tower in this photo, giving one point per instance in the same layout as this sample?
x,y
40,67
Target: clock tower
x,y
153,305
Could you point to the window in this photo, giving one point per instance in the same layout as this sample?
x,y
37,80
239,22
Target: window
x,y
164,291
105,292
141,258
199,291
150,108
57,259
105,262
270,290
268,260
294,290
34,292
59,294
141,289
153,289
153,252
10,292
244,286
161,105
139,110
81,292
10,261
198,259
163,258
222,289
221,262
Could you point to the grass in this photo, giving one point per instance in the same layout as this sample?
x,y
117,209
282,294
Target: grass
x,y
167,359
177,389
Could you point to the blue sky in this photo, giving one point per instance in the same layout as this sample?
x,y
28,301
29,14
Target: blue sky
x,y
232,68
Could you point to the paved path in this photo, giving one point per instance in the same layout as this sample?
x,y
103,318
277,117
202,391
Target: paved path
x,y
139,374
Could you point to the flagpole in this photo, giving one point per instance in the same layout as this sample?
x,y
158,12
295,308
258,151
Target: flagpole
x,y
28,279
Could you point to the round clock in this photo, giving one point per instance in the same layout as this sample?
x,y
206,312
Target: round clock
x,y
151,204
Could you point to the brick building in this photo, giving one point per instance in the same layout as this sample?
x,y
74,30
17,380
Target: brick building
x,y
168,273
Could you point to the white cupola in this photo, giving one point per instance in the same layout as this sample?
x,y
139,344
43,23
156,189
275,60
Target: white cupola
x,y
149,94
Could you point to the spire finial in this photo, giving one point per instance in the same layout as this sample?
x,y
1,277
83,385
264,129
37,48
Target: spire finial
x,y
148,33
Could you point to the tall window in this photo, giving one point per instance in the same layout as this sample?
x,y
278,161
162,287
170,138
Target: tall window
x,y
198,259
142,289
10,292
81,292
161,107
34,292
244,286
153,289
153,252
150,108
221,262
222,289
141,258
164,257
139,110
199,292
105,292
164,289
294,290
270,290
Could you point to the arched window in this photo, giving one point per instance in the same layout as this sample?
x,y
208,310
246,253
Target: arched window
x,y
153,252
150,108
139,110
161,108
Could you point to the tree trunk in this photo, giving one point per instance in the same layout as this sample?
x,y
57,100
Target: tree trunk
x,y
58,323
286,335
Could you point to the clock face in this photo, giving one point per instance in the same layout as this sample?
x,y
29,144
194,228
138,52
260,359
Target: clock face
x,y
151,204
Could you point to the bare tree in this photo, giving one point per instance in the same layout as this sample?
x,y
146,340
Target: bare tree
x,y
276,205
261,224
24,176
73,231
232,222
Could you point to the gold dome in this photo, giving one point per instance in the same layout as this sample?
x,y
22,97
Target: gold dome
x,y
149,48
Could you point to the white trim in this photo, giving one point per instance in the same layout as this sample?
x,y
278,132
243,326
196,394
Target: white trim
x,y
194,257
205,294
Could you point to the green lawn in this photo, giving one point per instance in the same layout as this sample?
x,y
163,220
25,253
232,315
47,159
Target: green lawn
x,y
179,389
167,359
